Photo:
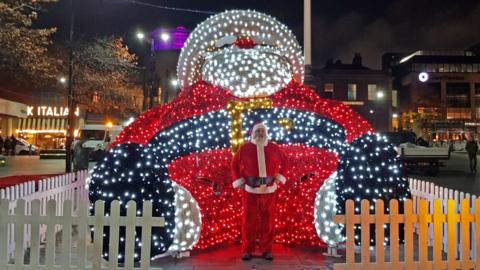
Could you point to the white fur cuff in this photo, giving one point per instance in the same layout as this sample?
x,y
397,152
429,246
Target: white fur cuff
x,y
281,178
238,183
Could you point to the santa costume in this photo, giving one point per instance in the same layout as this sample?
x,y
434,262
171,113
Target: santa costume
x,y
257,167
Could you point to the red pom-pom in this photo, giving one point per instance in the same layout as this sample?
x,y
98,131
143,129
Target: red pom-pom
x,y
245,42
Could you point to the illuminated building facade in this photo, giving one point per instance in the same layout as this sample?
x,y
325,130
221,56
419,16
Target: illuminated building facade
x,y
438,92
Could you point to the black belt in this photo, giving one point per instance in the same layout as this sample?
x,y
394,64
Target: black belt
x,y
258,181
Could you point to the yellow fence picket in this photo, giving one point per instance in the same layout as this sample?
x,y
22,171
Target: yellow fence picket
x,y
350,233
380,220
452,237
477,233
365,233
438,220
465,219
395,219
410,219
423,234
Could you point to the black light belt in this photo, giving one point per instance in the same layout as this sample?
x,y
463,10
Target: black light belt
x,y
258,181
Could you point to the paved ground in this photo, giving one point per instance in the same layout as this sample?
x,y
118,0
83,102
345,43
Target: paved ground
x,y
25,165
456,175
228,257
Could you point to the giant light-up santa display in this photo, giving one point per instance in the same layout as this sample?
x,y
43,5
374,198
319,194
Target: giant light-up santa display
x,y
236,68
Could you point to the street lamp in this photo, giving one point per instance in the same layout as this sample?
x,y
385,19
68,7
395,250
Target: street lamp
x,y
62,80
146,92
174,82
380,94
140,35
165,37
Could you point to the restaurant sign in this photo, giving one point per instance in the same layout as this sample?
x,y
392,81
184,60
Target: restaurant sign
x,y
49,111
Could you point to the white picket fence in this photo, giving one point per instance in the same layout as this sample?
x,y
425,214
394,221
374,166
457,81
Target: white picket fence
x,y
423,190
58,188
74,251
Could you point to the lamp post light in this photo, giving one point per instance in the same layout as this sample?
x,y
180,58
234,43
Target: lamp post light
x,y
380,94
140,35
165,37
174,82
62,80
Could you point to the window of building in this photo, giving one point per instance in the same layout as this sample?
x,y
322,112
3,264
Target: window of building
x,y
372,91
458,95
394,98
476,68
328,89
458,113
352,91
477,89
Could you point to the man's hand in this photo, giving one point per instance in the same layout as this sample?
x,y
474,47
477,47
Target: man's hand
x,y
276,179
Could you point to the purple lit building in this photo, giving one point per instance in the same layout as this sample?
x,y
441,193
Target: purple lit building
x,y
165,39
166,45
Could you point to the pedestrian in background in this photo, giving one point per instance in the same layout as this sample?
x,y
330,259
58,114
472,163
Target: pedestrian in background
x,y
472,149
1,144
13,144
7,145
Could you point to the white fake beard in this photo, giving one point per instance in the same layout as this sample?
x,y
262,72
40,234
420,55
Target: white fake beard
x,y
260,142
256,72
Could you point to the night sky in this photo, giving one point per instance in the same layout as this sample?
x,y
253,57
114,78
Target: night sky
x,y
340,27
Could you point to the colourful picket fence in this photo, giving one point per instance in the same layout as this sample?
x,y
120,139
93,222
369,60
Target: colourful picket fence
x,y
444,221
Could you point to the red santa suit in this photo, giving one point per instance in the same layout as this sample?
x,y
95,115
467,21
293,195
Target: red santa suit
x,y
257,167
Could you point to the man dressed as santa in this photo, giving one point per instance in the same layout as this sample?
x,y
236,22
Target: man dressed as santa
x,y
257,167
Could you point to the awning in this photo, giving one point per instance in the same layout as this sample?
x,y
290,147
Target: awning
x,y
12,108
42,125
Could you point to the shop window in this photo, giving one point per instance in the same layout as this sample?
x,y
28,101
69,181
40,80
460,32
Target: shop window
x,y
395,98
328,90
459,113
352,91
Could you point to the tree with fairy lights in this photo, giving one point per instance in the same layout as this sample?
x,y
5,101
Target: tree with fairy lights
x,y
237,68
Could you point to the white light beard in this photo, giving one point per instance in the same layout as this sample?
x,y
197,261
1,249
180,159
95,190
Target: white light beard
x,y
256,72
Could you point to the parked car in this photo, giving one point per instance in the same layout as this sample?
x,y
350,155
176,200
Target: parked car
x,y
418,157
25,148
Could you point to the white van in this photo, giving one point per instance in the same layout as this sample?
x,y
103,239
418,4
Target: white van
x,y
94,141
97,137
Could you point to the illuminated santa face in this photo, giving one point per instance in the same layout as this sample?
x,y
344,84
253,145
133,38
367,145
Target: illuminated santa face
x,y
248,72
247,52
